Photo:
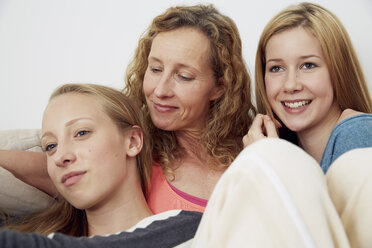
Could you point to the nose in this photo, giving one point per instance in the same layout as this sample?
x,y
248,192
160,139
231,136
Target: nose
x,y
64,156
164,87
292,82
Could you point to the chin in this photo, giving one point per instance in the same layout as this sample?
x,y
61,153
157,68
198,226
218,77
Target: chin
x,y
294,128
77,202
163,125
80,205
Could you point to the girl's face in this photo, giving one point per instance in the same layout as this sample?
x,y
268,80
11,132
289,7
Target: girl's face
x,y
297,80
86,152
179,83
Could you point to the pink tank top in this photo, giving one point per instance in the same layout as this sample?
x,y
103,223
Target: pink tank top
x,y
162,196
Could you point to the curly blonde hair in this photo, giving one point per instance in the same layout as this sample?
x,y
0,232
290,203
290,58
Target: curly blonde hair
x,y
230,115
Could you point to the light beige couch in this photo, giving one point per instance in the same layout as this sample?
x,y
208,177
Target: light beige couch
x,y
16,197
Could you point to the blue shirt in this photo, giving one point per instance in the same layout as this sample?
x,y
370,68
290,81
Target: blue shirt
x,y
351,133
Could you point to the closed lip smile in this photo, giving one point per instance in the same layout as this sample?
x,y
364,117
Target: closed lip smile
x,y
163,107
72,174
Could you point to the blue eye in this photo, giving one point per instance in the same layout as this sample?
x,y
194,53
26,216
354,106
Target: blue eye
x,y
50,147
275,68
82,133
308,66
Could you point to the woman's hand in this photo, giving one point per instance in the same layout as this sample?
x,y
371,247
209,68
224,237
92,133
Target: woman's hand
x,y
262,127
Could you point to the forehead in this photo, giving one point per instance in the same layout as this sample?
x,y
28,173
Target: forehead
x,y
68,106
293,41
184,43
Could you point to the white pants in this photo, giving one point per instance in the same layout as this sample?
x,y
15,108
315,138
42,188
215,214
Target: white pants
x,y
275,195
349,182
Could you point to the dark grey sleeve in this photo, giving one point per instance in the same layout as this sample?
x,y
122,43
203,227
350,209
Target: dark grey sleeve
x,y
170,232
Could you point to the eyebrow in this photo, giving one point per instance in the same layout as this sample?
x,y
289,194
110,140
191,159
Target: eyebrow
x,y
301,57
178,64
67,124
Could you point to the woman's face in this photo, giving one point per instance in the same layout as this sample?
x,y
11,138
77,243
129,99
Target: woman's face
x,y
179,83
297,80
86,152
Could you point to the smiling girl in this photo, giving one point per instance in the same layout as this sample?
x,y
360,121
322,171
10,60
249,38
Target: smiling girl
x,y
275,194
309,78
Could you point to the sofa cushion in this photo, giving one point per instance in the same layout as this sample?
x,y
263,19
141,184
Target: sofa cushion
x,y
17,197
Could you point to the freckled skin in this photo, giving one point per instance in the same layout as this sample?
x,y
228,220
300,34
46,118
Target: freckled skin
x,y
101,152
296,71
179,82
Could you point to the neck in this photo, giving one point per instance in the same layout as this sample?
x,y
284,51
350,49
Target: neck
x,y
122,212
190,142
117,219
194,172
314,140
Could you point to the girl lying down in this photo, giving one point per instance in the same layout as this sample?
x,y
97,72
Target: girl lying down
x,y
99,160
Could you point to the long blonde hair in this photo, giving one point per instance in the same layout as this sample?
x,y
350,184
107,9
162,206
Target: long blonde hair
x,y
231,115
62,216
344,68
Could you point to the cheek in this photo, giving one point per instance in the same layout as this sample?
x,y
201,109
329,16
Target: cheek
x,y
51,168
323,86
203,102
148,87
271,90
328,88
326,92
114,166
111,150
191,102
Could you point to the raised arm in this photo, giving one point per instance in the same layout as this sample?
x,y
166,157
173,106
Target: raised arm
x,y
30,167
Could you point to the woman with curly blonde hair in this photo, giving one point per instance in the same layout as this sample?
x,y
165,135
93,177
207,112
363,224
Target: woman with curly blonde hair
x,y
190,79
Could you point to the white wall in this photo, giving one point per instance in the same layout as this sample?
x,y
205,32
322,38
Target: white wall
x,y
45,43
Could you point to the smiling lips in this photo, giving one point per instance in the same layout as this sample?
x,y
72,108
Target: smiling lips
x,y
164,108
72,177
295,104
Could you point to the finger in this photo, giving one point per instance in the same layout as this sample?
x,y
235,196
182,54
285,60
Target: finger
x,y
252,137
246,141
257,122
270,127
255,132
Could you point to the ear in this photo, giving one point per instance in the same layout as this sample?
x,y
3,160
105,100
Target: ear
x,y
135,136
218,90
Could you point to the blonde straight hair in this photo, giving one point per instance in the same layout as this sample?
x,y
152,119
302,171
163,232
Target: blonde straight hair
x,y
349,84
62,216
